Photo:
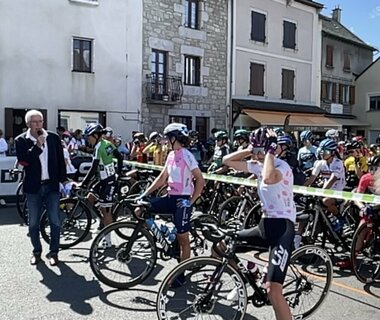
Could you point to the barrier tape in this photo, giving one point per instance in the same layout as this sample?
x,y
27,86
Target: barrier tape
x,y
368,198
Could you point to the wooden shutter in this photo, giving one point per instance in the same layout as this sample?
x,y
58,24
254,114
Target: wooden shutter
x,y
347,62
289,30
258,26
352,95
340,100
323,90
329,56
256,79
333,93
287,84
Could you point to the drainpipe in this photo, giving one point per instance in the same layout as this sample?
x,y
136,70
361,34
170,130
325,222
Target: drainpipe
x,y
230,70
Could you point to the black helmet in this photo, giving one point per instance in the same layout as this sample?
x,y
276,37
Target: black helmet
x,y
193,134
221,135
93,128
374,161
258,137
241,134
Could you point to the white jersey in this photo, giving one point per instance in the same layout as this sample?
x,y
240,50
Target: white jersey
x,y
277,199
325,170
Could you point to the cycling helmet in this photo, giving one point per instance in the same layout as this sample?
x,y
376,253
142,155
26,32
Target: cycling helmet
x,y
93,128
193,134
328,145
349,146
241,134
358,138
258,137
306,135
176,130
373,147
66,134
220,135
108,131
279,131
285,141
154,135
139,136
374,161
332,133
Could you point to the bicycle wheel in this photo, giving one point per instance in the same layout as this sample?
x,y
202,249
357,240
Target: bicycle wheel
x,y
122,211
139,187
365,253
21,204
75,223
253,217
117,266
203,292
307,281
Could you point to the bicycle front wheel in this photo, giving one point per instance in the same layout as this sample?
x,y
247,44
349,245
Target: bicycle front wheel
x,y
365,253
120,258
307,281
200,288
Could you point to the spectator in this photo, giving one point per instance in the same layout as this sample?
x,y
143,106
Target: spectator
x,y
80,142
60,131
11,147
41,154
3,145
122,148
378,139
70,169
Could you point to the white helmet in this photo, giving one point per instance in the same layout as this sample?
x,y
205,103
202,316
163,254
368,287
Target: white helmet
x,y
154,135
332,133
176,130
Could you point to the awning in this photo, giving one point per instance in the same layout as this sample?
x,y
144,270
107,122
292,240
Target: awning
x,y
276,118
350,122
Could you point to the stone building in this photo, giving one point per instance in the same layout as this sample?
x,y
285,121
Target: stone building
x,y
184,64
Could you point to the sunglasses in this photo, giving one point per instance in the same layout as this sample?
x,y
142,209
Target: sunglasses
x,y
257,150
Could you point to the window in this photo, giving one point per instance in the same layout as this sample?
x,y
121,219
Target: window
x,y
201,125
346,94
374,103
258,26
347,62
188,121
328,91
329,56
289,40
82,55
158,65
256,83
287,84
192,71
192,14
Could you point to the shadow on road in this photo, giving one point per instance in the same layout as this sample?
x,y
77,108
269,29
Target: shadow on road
x,y
69,287
9,216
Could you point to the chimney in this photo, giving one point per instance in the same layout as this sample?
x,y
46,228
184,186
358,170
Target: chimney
x,y
336,13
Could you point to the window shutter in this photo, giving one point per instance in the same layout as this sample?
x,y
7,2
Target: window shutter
x,y
256,79
251,79
258,26
352,95
329,56
287,84
289,30
323,90
333,94
252,25
346,62
340,93
291,84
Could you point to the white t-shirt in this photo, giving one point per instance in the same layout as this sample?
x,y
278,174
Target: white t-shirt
x,y
69,166
277,199
325,170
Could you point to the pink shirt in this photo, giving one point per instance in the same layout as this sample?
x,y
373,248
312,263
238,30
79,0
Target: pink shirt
x,y
179,165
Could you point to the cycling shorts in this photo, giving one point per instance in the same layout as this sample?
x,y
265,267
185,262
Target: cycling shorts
x,y
277,234
168,205
106,192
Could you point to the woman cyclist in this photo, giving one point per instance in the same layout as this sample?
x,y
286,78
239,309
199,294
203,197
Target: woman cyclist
x,y
178,173
276,228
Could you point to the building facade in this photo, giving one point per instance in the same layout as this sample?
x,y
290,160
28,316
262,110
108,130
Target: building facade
x,y
78,61
275,62
367,103
344,56
184,64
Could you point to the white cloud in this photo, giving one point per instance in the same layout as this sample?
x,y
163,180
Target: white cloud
x,y
375,12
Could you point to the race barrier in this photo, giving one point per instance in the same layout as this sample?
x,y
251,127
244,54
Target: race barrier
x,y
367,198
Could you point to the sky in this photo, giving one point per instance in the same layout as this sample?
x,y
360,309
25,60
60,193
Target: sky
x,y
362,17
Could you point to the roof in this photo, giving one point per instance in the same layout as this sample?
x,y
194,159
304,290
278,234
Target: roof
x,y
276,106
336,30
369,66
311,3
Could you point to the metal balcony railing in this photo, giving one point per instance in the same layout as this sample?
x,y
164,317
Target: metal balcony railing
x,y
167,90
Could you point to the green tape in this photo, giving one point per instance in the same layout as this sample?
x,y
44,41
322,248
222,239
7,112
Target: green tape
x,y
368,198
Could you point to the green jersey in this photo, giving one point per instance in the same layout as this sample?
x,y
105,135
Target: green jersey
x,y
104,153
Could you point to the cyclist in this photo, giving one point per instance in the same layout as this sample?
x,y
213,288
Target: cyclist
x,y
307,154
221,149
178,173
139,141
103,165
332,134
354,164
241,138
276,228
331,169
196,147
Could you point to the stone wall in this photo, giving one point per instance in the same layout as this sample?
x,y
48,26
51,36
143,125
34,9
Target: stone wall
x,y
163,29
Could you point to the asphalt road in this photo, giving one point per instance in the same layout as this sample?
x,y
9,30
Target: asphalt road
x,y
70,291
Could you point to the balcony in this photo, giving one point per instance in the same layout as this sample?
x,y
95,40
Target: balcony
x,y
163,90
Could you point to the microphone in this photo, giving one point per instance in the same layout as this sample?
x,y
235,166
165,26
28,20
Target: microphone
x,y
40,133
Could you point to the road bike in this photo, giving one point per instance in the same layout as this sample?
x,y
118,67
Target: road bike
x,y
209,281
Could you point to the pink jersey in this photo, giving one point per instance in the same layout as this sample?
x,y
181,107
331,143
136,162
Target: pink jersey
x,y
179,165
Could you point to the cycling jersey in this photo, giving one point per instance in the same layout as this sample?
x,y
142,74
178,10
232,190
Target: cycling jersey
x,y
350,163
365,183
277,199
326,170
219,153
179,165
104,153
306,157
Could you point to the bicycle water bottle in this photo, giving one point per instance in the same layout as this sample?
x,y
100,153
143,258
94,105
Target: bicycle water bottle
x,y
164,229
335,223
149,222
264,276
253,269
172,234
